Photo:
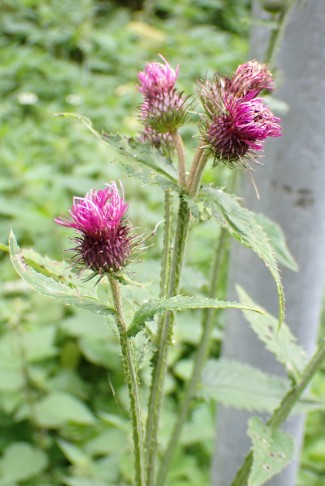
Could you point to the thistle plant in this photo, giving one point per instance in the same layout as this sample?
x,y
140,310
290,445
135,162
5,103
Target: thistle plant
x,y
233,122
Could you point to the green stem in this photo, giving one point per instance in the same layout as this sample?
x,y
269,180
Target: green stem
x,y
166,259
207,326
132,381
179,147
165,332
277,34
196,161
281,414
164,282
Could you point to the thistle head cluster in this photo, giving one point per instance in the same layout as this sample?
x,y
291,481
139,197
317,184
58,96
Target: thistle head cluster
x,y
164,107
237,121
104,244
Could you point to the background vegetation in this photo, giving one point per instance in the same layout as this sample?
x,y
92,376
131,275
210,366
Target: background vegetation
x,y
63,403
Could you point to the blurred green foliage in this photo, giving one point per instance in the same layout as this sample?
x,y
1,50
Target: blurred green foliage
x,y
63,402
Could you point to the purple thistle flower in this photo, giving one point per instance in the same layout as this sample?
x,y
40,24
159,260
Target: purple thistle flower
x,y
164,107
157,78
239,132
104,244
250,77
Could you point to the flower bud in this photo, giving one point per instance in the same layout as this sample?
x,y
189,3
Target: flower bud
x,y
250,77
164,107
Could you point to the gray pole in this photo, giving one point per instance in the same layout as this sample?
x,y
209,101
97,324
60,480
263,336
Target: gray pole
x,y
292,188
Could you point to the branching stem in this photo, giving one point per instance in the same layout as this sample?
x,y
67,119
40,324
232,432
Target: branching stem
x,y
164,338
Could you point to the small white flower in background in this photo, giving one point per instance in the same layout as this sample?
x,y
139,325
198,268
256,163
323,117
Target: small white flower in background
x,y
27,98
74,99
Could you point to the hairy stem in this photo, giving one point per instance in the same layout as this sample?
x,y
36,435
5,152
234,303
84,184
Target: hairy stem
x,y
179,147
202,351
132,381
283,411
195,183
165,332
194,167
164,283
166,259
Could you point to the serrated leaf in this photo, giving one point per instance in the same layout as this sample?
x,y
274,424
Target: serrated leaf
x,y
281,342
179,303
60,271
139,159
52,288
142,161
241,386
272,451
277,239
21,461
242,225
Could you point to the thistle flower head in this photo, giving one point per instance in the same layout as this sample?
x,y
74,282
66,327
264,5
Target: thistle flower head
x,y
104,244
157,78
164,112
238,133
164,107
250,77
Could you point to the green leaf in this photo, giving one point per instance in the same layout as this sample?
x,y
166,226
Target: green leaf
x,y
200,428
107,442
85,482
242,225
60,271
74,454
179,303
59,408
277,240
101,352
139,159
52,288
281,342
11,379
84,324
39,344
272,451
20,462
142,161
242,386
